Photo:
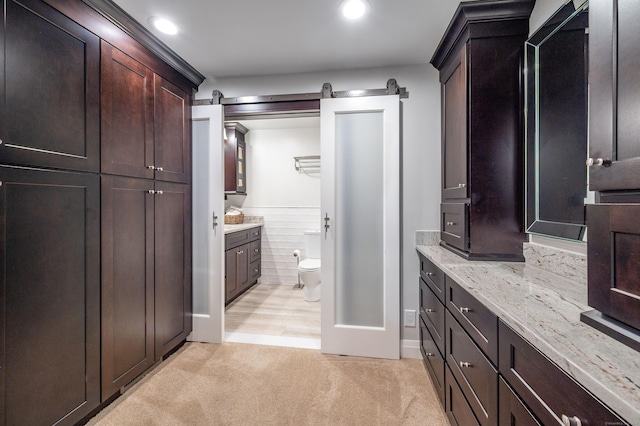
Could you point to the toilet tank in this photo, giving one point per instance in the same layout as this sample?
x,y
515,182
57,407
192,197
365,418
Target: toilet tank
x,y
312,243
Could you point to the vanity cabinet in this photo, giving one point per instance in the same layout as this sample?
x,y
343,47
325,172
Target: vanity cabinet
x,y
480,63
242,261
235,156
488,374
614,236
548,391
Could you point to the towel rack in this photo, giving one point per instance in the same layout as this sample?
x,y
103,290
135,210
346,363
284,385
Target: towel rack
x,y
307,164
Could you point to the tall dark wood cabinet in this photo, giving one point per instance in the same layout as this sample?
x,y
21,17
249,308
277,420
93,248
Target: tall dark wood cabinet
x,y
235,157
50,293
614,151
480,62
95,206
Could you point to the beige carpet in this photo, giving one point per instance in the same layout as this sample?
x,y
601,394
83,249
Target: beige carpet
x,y
240,384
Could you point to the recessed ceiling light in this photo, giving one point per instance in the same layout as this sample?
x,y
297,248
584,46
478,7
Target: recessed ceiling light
x,y
354,9
163,25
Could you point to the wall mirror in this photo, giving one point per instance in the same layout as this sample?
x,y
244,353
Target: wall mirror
x,y
556,100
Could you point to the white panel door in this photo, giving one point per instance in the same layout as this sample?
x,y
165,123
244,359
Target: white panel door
x,y
361,226
208,223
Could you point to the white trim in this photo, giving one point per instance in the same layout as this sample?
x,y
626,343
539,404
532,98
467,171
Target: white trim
x,y
260,339
410,349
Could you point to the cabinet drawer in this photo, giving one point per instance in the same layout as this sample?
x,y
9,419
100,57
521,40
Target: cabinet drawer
x,y
457,409
255,251
433,360
433,276
547,390
432,312
512,409
476,376
255,234
254,271
454,230
236,239
475,318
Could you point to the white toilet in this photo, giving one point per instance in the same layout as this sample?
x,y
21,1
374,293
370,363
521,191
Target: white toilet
x,y
309,268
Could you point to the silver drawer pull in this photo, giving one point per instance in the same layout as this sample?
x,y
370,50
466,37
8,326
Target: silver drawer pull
x,y
159,192
255,270
256,250
462,185
451,223
465,364
151,167
151,191
463,310
159,169
429,354
429,310
571,421
430,274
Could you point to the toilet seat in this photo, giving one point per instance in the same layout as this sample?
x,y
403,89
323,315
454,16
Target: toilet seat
x,y
309,265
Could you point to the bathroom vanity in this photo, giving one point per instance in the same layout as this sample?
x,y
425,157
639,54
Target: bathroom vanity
x,y
503,342
243,254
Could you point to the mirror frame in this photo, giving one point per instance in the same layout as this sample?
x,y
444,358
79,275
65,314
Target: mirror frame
x,y
535,224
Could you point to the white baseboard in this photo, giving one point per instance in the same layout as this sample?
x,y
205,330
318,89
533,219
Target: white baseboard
x,y
410,349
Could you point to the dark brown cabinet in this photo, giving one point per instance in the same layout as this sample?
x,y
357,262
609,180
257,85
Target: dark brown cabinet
x,y
146,275
50,89
513,412
242,261
235,157
548,391
127,280
614,62
172,257
480,63
614,236
50,296
145,121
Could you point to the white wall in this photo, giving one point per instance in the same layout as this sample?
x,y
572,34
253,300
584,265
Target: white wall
x,y
421,143
272,180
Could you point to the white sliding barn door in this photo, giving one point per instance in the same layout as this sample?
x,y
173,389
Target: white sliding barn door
x,y
208,208
361,226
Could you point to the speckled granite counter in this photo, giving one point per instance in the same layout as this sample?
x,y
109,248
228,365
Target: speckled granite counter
x,y
545,309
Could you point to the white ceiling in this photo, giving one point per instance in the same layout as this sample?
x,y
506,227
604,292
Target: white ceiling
x,y
224,38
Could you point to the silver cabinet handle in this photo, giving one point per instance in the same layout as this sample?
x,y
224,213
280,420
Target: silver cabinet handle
x,y
151,167
159,192
215,220
255,270
429,354
159,169
462,185
430,274
465,364
598,162
256,250
450,223
571,421
0,141
151,191
463,310
429,311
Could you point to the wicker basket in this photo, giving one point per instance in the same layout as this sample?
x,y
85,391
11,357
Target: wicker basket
x,y
233,219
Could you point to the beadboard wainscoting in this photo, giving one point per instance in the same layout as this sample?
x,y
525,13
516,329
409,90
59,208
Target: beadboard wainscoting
x,y
282,233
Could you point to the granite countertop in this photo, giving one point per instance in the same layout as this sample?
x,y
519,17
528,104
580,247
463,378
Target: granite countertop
x,y
228,229
545,309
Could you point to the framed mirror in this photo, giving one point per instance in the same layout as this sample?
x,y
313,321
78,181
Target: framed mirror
x,y
556,114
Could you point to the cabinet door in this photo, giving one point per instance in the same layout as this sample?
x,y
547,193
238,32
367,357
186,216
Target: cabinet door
x,y
614,253
614,60
172,265
127,281
230,281
49,296
241,169
49,114
513,412
172,135
454,122
127,115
